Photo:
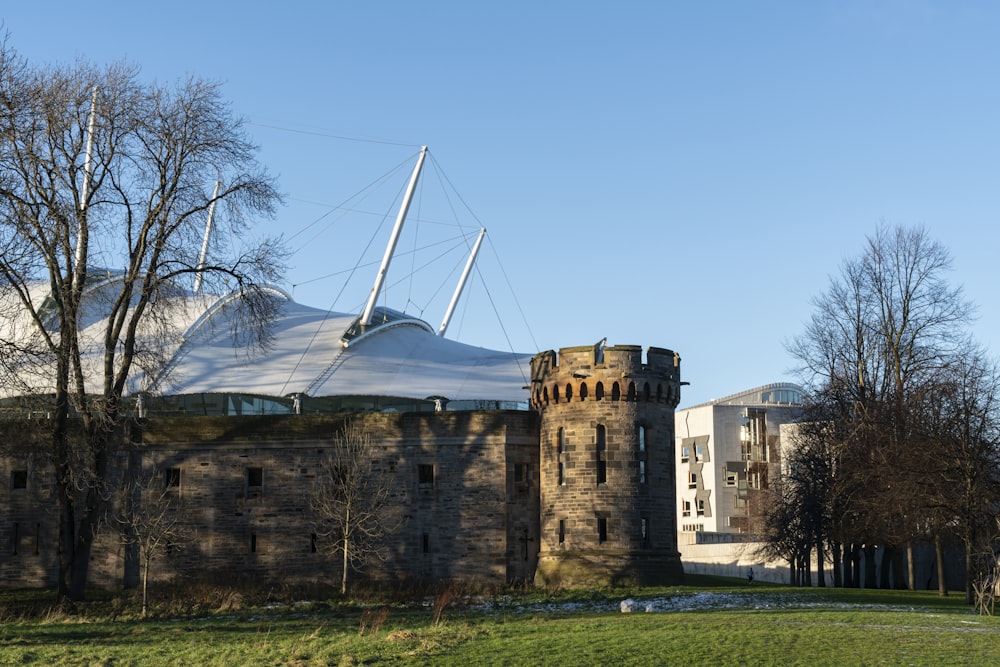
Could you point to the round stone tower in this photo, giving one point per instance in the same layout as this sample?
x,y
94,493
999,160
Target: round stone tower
x,y
608,498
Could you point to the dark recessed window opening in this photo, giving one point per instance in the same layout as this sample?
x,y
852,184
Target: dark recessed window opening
x,y
255,477
19,479
425,475
602,455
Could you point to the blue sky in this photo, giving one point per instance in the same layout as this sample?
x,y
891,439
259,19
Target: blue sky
x,y
677,174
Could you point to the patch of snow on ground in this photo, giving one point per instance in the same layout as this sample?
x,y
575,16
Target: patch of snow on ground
x,y
679,603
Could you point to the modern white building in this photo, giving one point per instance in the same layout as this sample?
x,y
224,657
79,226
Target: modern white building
x,y
726,449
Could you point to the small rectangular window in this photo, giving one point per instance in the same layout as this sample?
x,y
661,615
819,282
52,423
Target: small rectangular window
x,y
644,528
426,539
562,473
18,479
425,475
685,454
562,531
255,477
172,478
312,543
642,471
685,508
731,478
521,473
253,543
602,529
701,508
692,480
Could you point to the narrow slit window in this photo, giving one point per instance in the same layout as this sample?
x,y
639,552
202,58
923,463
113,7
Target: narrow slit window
x,y
602,454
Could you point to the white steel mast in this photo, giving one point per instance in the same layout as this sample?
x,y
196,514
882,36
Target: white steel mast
x,y
204,242
461,282
87,177
366,317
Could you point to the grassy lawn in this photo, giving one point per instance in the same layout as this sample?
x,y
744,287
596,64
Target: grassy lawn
x,y
712,622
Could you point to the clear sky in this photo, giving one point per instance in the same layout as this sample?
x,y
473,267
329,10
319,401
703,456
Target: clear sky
x,y
674,174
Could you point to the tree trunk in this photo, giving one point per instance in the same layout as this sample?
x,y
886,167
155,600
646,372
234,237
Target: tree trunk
x,y
145,584
65,491
970,565
939,555
838,563
911,575
856,558
89,523
871,579
820,573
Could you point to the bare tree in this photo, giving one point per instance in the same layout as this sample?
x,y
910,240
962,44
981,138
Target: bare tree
x,y
105,186
146,515
352,500
959,418
887,324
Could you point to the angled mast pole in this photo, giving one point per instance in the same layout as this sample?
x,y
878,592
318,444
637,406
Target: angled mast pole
x,y
461,282
87,177
366,317
204,242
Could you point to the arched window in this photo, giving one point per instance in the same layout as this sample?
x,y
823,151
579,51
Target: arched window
x,y
631,391
645,392
659,393
569,392
616,392
583,391
555,393
545,395
599,391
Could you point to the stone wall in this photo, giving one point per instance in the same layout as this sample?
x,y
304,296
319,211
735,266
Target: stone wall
x,y
242,484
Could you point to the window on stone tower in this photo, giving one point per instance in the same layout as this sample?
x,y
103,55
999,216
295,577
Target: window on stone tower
x,y
602,454
425,476
522,477
18,479
602,529
643,455
562,531
172,478
562,473
561,440
255,482
644,529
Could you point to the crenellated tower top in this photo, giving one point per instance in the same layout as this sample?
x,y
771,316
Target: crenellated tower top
x,y
597,372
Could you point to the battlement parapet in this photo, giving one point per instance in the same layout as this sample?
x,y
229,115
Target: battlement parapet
x,y
598,371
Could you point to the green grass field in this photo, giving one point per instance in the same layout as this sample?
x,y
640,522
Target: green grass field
x,y
708,622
